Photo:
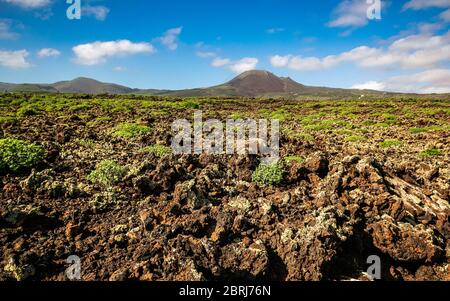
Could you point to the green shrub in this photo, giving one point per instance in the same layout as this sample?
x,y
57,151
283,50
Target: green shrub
x,y
294,159
280,115
390,143
269,174
368,122
158,150
344,132
390,118
382,125
79,107
107,173
105,200
356,139
17,155
27,111
431,152
327,125
319,127
130,130
417,130
187,104
311,119
434,128
7,120
99,120
158,113
303,136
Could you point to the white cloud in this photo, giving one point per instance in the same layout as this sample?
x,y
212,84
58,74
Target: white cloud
x,y
430,27
5,30
414,51
170,38
220,62
350,13
29,3
424,4
48,52
99,12
239,66
14,59
445,15
430,81
245,64
280,61
370,85
99,52
315,63
206,54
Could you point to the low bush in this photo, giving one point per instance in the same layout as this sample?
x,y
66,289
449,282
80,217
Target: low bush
x,y
390,143
130,130
431,152
356,139
294,159
17,155
107,173
158,150
269,174
28,111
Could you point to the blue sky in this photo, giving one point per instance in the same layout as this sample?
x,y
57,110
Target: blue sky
x,y
175,44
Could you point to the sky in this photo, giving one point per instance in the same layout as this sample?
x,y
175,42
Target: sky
x,y
176,44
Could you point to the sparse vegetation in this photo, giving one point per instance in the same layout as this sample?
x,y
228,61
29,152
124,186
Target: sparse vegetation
x,y
356,138
107,173
297,159
28,111
417,130
391,143
158,150
8,120
130,130
17,155
431,152
269,174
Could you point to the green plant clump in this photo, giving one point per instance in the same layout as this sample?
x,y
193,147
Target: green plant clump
x,y
304,137
356,138
269,174
294,159
28,111
431,152
16,155
158,150
130,130
390,143
7,120
107,173
188,104
418,130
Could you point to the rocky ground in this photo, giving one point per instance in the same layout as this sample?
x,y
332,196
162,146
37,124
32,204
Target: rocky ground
x,y
347,196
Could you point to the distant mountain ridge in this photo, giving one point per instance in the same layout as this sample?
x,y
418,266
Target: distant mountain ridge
x,y
90,86
255,83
